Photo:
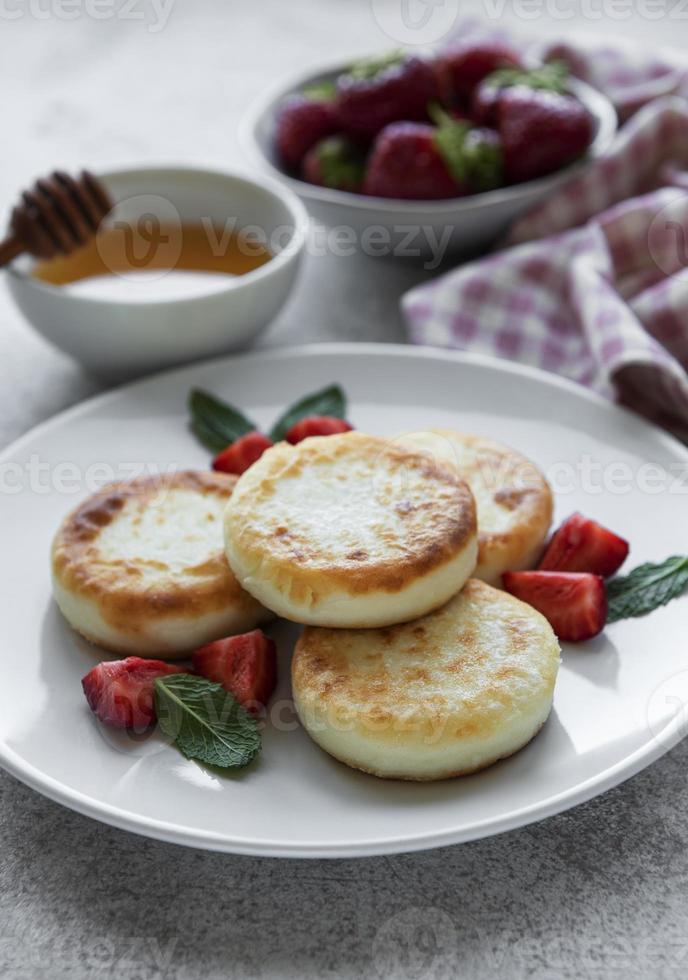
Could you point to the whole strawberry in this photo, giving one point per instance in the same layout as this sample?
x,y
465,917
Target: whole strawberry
x,y
461,67
541,132
406,162
335,162
302,122
484,108
376,93
423,162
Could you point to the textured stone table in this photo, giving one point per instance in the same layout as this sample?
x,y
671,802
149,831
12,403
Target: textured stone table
x,y
597,892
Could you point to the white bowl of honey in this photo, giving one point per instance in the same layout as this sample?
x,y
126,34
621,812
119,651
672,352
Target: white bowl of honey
x,y
189,263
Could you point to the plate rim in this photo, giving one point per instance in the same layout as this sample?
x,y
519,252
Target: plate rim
x,y
595,785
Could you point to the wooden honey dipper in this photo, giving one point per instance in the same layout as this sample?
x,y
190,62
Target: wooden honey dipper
x,y
58,215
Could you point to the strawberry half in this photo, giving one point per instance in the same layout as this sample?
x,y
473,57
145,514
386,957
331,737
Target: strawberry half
x,y
583,545
242,453
122,692
376,93
301,123
574,603
316,425
245,665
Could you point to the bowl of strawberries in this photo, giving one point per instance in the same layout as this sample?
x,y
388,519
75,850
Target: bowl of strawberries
x,y
421,154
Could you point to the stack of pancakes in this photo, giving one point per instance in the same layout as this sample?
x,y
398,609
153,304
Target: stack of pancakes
x,y
408,667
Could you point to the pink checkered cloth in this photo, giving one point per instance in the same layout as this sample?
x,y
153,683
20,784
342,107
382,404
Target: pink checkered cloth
x,y
593,284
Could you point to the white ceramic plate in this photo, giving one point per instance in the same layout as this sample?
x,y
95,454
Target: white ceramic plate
x,y
619,698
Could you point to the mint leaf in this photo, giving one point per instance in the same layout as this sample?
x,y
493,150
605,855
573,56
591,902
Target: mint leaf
x,y
646,588
216,423
205,721
327,401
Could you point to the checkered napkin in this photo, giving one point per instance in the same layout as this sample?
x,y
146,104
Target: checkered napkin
x,y
592,284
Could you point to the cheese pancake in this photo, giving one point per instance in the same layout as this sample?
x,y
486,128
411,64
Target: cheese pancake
x,y
350,531
139,567
443,696
512,497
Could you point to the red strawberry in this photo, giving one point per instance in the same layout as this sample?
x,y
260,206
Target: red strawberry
x,y
486,97
301,123
574,603
316,425
122,692
582,545
377,93
406,163
245,665
463,66
242,453
541,131
335,162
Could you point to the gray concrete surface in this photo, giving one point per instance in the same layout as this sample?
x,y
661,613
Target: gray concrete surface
x,y
595,893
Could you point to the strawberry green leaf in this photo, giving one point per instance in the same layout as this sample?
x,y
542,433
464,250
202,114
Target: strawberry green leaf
x,y
369,68
341,165
216,423
205,721
327,401
552,77
320,91
468,154
646,588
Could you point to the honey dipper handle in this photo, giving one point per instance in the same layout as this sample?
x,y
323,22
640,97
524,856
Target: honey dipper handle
x,y
10,248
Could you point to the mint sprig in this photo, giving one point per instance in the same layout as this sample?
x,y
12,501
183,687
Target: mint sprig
x,y
205,721
646,588
216,423
327,401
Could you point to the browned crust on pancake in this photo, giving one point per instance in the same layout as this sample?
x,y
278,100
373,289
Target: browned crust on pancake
x,y
305,575
114,585
384,702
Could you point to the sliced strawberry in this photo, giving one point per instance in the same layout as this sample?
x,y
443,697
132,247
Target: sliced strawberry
x,y
301,123
382,91
463,66
583,545
122,692
574,603
316,425
241,454
245,665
